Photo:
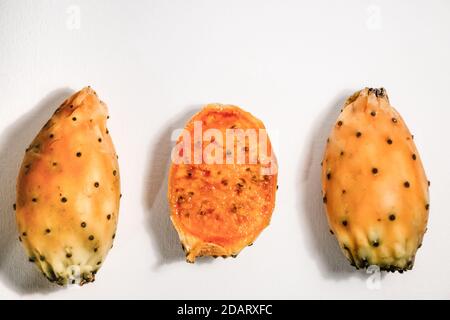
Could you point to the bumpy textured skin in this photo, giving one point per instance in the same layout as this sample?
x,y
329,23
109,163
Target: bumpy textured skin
x,y
374,186
219,209
68,192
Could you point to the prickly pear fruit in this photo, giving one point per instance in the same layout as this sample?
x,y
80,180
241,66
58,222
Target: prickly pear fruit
x,y
374,186
220,208
68,192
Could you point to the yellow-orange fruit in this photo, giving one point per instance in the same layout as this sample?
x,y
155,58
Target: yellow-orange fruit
x,y
374,186
68,192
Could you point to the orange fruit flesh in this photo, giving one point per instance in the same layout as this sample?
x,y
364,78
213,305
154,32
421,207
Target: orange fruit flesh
x,y
224,204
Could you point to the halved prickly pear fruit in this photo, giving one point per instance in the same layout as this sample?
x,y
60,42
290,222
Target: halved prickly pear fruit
x,y
374,186
68,192
218,207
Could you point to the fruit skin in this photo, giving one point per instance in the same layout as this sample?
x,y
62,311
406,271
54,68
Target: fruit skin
x,y
68,192
215,218
375,190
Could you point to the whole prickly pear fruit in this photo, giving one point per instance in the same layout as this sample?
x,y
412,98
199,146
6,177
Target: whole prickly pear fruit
x,y
374,186
68,192
219,206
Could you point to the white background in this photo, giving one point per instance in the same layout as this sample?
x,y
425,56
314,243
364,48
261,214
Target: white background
x,y
291,63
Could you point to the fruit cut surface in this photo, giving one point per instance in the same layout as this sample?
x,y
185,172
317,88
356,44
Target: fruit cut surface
x,y
220,208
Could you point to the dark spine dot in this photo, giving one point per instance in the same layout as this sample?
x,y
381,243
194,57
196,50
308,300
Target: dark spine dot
x,y
20,238
392,217
47,231
427,206
91,237
429,183
96,184
340,123
373,113
34,200
99,263
114,173
100,140
108,217
32,259
74,119
344,191
14,207
83,224
394,120
78,154
407,184
389,141
324,199
95,249
54,164
414,157
375,244
24,234
374,170
69,255
51,136
42,258
328,176
331,231
358,134
345,223
63,199
114,235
